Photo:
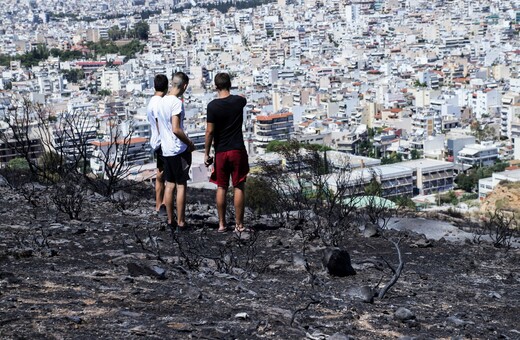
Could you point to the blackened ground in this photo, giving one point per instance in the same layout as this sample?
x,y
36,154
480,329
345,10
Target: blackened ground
x,y
62,279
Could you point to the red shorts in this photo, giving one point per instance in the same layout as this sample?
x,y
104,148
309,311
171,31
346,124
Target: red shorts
x,y
232,163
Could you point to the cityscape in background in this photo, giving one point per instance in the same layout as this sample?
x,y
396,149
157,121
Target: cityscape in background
x,y
417,91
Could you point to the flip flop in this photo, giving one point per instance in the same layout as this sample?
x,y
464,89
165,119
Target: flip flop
x,y
222,230
244,230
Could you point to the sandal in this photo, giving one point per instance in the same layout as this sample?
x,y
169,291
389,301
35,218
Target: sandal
x,y
244,230
222,230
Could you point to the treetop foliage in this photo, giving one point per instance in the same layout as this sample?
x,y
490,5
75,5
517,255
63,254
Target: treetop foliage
x,y
224,6
469,181
103,47
278,146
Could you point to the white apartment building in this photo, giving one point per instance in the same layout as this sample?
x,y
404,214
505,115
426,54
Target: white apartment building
x,y
484,154
430,176
395,180
484,101
509,100
515,121
110,80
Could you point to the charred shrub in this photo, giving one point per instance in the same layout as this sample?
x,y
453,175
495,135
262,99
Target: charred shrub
x,y
68,197
500,226
240,255
308,186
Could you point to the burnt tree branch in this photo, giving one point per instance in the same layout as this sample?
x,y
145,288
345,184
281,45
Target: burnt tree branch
x,y
397,273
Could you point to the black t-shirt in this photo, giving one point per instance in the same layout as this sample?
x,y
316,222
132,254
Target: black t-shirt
x,y
227,116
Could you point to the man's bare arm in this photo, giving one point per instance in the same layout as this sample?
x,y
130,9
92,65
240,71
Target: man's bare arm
x,y
208,141
177,131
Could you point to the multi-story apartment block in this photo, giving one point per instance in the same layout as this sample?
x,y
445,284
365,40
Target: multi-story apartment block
x,y
110,80
50,82
484,154
73,138
10,150
455,143
484,101
349,141
130,152
268,128
430,176
509,101
515,121
394,180
423,124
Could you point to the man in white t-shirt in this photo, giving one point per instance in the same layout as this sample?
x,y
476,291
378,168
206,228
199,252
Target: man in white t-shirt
x,y
176,148
152,111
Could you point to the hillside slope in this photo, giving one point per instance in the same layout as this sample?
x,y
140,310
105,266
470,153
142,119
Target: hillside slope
x,y
505,196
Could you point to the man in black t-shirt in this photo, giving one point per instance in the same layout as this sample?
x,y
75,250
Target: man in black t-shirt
x,y
224,132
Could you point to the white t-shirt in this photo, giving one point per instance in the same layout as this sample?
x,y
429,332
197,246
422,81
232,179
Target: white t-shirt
x,y
170,106
152,111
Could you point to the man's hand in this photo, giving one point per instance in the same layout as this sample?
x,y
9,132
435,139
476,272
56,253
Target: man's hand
x,y
208,160
191,146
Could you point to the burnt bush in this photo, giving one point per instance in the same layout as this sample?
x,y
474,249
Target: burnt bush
x,y
500,226
69,196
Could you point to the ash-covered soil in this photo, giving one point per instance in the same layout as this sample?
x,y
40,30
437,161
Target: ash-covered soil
x,y
114,274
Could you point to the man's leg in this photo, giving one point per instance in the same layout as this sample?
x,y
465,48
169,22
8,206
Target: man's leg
x,y
168,199
181,204
159,190
240,201
221,208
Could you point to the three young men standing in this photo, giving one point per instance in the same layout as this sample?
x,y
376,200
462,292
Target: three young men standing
x,y
223,132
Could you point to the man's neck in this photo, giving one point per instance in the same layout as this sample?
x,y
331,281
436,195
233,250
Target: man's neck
x,y
159,93
223,94
175,92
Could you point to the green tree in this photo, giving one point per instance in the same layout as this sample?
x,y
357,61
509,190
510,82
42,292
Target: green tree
x,y
274,146
33,57
466,182
18,164
373,188
365,147
448,198
469,181
104,92
129,50
261,197
114,33
74,75
279,145
480,132
142,30
393,158
415,154
417,83
5,60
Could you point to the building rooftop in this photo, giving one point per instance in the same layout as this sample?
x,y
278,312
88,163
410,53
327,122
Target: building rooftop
x,y
426,164
513,175
473,149
274,116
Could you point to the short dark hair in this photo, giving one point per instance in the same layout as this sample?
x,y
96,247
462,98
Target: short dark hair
x,y
160,83
180,79
223,81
